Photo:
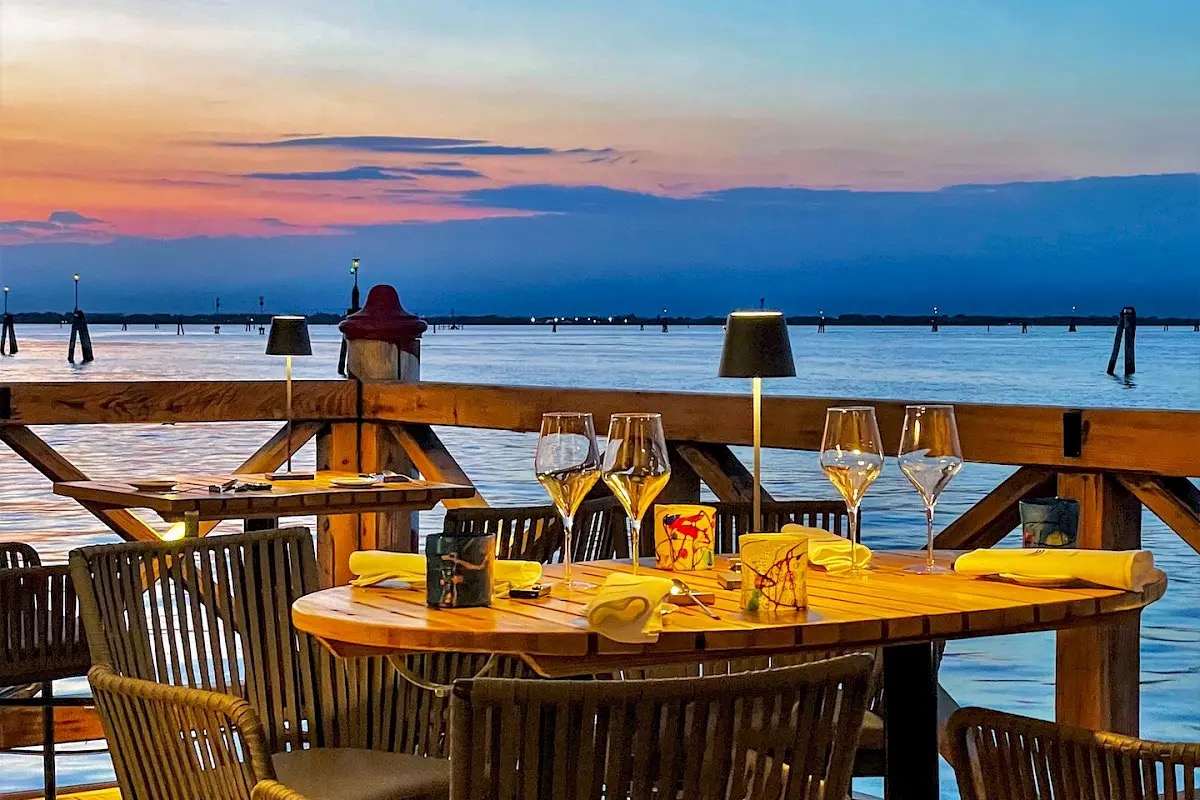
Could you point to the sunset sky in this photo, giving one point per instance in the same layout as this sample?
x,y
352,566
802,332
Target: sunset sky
x,y
143,120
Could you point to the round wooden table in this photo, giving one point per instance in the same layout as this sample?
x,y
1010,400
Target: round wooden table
x,y
904,612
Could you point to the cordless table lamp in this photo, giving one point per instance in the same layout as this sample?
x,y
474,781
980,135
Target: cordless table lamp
x,y
756,347
289,337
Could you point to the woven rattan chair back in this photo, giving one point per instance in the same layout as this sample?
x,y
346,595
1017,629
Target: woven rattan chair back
x,y
788,733
271,790
215,614
15,555
734,519
535,533
41,633
999,756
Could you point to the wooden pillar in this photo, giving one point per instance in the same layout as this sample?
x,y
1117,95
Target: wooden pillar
x,y
1099,666
340,535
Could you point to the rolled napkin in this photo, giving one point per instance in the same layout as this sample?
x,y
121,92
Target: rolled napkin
x,y
373,567
828,550
628,608
1118,569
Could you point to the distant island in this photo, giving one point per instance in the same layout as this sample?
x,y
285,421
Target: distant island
x,y
233,320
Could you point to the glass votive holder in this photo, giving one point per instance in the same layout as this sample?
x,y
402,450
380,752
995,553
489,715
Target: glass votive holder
x,y
1049,522
683,537
458,570
774,567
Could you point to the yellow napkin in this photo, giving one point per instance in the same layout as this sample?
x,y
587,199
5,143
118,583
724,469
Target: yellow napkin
x,y
829,550
373,567
628,608
1118,569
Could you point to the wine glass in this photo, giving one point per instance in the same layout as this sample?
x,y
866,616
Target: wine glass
x,y
567,464
636,468
852,458
930,456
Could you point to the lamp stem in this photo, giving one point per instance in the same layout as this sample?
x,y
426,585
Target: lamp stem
x,y
756,383
289,414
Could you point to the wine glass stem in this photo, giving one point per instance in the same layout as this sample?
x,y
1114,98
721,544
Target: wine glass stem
x,y
568,525
929,533
635,538
852,510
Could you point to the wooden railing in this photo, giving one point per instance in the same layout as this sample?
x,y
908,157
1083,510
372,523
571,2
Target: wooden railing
x,y
1112,461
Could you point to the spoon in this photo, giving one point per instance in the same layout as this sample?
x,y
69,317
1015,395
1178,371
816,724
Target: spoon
x,y
678,587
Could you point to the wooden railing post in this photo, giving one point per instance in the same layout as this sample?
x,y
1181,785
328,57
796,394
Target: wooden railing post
x,y
337,536
1099,666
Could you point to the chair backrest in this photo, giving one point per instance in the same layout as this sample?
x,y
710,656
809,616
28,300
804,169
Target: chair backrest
x,y
998,756
786,733
215,614
535,533
734,519
15,555
41,633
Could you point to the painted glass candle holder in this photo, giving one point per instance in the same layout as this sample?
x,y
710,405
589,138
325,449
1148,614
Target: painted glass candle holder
x,y
459,570
1049,522
774,566
683,537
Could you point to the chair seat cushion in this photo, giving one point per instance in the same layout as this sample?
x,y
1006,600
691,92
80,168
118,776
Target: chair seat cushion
x,y
343,773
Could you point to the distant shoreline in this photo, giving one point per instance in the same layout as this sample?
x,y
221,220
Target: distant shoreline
x,y
855,320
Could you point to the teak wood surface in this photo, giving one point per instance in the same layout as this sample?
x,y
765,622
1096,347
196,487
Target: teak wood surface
x,y
889,606
284,498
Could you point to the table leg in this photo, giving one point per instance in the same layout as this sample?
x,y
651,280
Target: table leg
x,y
910,722
269,523
191,524
1098,676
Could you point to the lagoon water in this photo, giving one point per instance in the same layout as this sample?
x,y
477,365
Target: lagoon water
x,y
1046,366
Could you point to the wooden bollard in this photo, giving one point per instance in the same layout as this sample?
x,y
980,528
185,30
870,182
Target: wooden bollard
x,y
1024,327
179,327
79,332
1127,328
383,342
8,336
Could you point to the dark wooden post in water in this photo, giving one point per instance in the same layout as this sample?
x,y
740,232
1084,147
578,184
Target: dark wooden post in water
x,y
1071,327
79,332
821,324
934,325
383,342
179,327
1024,327
8,331
1127,326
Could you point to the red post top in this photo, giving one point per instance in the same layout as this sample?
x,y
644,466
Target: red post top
x,y
383,319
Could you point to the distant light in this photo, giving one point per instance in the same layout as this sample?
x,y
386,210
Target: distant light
x,y
577,319
610,319
531,319
627,320
76,276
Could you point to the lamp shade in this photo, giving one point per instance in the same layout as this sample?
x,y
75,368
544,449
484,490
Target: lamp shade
x,y
289,337
756,346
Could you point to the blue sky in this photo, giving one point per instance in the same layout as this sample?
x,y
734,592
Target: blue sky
x,y
136,127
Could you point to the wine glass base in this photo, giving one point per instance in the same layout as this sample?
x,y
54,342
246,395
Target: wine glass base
x,y
576,585
929,569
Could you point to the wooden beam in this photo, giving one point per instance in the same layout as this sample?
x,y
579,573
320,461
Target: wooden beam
x,y
431,458
46,460
720,470
1099,666
176,401
337,535
998,513
22,727
1176,501
1112,439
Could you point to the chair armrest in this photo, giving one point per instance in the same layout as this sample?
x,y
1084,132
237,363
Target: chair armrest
x,y
272,790
201,743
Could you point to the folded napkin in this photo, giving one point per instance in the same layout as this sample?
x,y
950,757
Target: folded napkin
x,y
1118,569
829,550
373,567
628,608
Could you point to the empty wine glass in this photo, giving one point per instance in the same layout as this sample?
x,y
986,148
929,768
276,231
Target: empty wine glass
x,y
852,458
636,468
568,465
930,456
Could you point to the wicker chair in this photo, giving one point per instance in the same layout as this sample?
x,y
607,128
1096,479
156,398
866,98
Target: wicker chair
x,y
273,790
787,733
205,688
734,519
535,533
999,756
41,641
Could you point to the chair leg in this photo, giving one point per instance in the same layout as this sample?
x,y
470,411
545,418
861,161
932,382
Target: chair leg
x,y
48,770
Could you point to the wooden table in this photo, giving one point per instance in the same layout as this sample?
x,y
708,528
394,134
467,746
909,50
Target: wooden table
x,y
901,611
192,502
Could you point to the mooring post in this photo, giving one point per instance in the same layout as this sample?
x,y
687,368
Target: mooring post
x,y
79,332
1024,327
1130,315
1116,348
8,331
821,324
1071,327
933,327
383,342
179,326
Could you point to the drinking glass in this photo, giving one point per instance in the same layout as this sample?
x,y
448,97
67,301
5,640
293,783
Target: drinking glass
x,y
636,468
567,464
852,458
930,456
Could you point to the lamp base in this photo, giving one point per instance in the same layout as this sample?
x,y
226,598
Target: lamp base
x,y
291,476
